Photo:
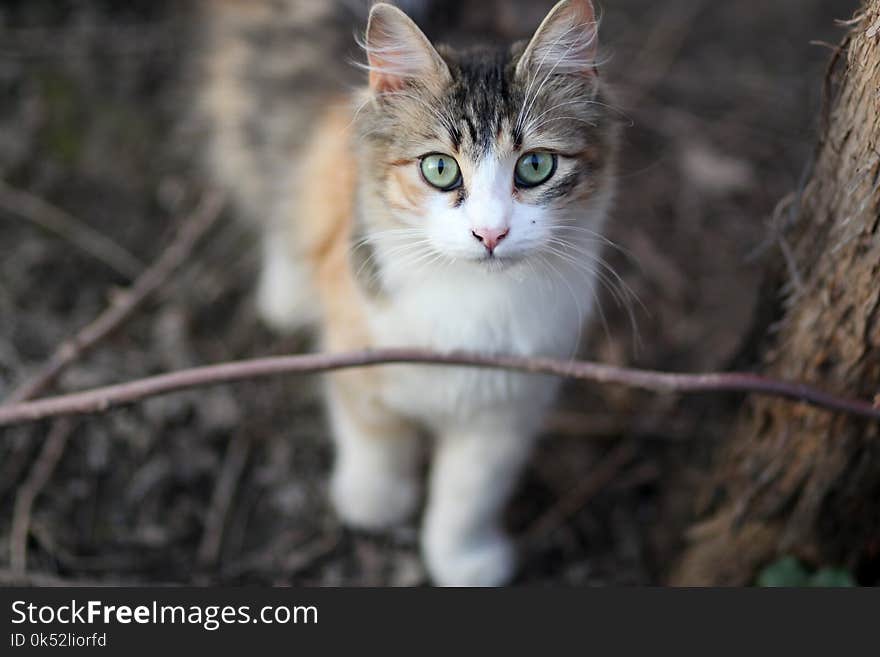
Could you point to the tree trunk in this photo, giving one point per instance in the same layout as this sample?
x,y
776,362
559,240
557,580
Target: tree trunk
x,y
793,480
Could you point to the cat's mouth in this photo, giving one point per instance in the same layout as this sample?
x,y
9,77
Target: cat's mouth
x,y
494,262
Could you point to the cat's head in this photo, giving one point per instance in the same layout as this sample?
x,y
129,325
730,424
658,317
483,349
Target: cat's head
x,y
488,157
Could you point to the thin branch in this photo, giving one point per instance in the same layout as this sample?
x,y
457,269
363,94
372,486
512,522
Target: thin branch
x,y
221,500
28,492
88,337
82,236
125,304
102,399
586,489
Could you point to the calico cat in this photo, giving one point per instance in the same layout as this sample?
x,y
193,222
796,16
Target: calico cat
x,y
456,201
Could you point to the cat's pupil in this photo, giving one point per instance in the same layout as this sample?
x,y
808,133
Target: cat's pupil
x,y
440,166
533,160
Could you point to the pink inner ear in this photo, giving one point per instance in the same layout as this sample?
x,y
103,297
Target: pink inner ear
x,y
380,79
588,11
582,22
397,50
581,12
567,41
386,51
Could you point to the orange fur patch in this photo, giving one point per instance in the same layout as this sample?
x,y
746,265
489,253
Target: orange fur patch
x,y
323,223
405,190
321,232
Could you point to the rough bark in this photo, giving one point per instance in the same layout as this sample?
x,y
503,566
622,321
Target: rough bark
x,y
791,479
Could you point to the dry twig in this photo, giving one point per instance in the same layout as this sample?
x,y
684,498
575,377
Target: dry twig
x,y
56,220
88,337
102,399
125,304
221,499
39,474
586,489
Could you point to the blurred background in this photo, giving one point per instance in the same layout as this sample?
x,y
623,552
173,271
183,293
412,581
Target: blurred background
x,y
226,485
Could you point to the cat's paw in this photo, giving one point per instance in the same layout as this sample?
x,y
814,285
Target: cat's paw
x,y
488,561
371,500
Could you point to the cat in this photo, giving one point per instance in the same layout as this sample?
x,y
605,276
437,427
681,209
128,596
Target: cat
x,y
456,201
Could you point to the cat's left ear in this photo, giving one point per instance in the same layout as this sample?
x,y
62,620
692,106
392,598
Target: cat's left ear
x,y
566,42
398,51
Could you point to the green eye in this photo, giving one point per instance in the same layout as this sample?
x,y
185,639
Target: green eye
x,y
534,168
441,171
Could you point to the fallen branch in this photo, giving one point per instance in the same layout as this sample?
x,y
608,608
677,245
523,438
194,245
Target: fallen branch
x,y
102,399
82,236
109,320
125,304
221,499
585,490
39,475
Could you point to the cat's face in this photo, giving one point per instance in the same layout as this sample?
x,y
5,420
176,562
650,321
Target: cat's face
x,y
486,157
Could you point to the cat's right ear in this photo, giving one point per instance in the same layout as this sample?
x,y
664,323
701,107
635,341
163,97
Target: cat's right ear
x,y
398,51
564,44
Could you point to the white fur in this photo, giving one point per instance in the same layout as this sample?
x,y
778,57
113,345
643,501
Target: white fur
x,y
444,292
484,420
285,299
374,482
474,473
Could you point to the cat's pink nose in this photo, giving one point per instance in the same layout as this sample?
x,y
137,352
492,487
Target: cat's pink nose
x,y
490,237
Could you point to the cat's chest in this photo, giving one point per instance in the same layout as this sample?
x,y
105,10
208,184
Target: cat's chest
x,y
445,315
504,316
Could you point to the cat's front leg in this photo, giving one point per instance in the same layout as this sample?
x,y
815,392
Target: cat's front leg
x,y
374,484
474,473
